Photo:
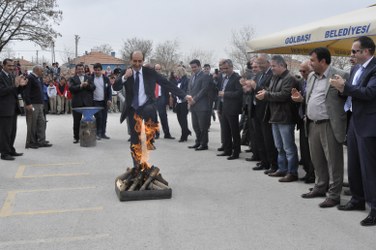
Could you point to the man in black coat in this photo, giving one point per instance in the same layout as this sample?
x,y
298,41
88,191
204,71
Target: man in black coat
x,y
82,96
9,109
230,106
139,83
34,107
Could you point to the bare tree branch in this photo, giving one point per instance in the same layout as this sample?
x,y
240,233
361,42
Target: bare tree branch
x,y
29,20
238,52
132,44
166,54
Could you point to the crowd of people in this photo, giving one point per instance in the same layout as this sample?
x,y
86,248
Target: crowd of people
x,y
329,106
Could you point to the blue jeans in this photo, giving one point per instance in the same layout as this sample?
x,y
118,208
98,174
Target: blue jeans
x,y
284,140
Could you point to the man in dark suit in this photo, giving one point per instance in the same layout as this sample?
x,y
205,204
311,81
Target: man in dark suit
x,y
9,109
140,99
34,106
198,88
82,96
361,134
263,129
102,97
230,107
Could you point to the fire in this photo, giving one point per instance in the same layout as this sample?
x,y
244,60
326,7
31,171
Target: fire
x,y
146,133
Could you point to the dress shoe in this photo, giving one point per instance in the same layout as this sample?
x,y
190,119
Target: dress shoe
x,y
194,146
260,167
201,148
350,206
7,157
32,145
269,171
44,145
221,149
182,140
98,138
151,146
370,220
233,157
329,203
289,178
105,137
169,137
277,174
224,154
76,141
252,159
16,154
313,194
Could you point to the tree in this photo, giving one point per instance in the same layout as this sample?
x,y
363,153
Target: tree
x,y
202,55
342,62
105,48
166,54
132,44
238,52
7,52
29,20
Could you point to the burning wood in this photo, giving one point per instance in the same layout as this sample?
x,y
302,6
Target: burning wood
x,y
137,179
143,181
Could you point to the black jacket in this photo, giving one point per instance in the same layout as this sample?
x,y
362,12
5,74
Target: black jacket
x,y
81,97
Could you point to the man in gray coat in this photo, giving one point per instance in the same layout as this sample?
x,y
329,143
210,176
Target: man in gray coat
x,y
200,108
326,128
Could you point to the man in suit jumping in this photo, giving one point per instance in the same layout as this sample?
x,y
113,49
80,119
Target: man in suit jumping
x,y
361,134
139,83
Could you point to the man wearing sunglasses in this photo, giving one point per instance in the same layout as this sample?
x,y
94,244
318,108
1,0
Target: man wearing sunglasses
x,y
361,134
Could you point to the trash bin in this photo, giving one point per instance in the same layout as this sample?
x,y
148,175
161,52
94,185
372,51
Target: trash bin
x,y
88,128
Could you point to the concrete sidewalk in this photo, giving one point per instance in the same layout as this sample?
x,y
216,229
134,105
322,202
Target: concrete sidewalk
x,y
63,198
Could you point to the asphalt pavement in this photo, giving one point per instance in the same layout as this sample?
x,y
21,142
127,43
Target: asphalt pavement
x,y
63,197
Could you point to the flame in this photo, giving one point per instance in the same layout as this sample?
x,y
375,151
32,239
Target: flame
x,y
146,133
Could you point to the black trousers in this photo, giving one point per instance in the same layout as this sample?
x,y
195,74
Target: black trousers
x,y
231,133
161,107
200,124
361,167
182,114
265,143
8,130
101,117
76,124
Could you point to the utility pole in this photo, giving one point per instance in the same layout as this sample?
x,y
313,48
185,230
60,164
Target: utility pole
x,y
37,57
53,52
76,39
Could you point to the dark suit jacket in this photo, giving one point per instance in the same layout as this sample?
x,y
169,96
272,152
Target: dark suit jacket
x,y
150,77
363,100
81,97
199,90
8,96
106,87
233,96
263,81
33,91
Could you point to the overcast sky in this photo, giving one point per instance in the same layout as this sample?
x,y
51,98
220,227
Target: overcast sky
x,y
196,24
